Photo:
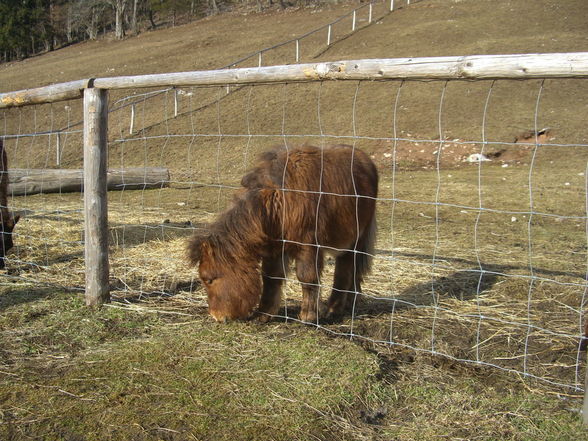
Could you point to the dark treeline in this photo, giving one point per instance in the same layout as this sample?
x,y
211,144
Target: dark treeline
x,y
30,27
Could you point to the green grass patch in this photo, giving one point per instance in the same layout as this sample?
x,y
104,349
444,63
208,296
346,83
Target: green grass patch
x,y
71,373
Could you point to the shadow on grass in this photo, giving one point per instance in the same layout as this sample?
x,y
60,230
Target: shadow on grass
x,y
486,268
15,297
170,290
129,235
462,285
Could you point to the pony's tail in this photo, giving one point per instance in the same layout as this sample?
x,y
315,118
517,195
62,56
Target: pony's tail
x,y
365,247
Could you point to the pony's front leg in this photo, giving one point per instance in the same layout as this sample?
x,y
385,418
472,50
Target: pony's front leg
x,y
345,285
273,270
309,266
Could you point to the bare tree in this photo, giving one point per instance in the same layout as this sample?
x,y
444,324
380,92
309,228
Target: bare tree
x,y
270,4
282,3
213,7
119,7
85,17
134,17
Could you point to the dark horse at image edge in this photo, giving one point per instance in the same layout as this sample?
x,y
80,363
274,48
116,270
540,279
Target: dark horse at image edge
x,y
297,204
7,219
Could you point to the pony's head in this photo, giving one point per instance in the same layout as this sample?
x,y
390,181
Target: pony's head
x,y
230,276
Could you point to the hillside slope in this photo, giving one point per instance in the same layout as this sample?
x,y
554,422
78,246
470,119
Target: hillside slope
x,y
206,44
426,28
307,112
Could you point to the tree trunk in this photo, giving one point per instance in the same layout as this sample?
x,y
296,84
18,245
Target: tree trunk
x,y
134,17
50,35
153,24
119,11
213,6
92,28
68,25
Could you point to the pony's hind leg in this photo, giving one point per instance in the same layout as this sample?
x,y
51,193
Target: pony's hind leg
x,y
309,265
273,271
344,285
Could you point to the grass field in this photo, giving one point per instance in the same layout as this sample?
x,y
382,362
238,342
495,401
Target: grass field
x,y
153,365
469,325
71,373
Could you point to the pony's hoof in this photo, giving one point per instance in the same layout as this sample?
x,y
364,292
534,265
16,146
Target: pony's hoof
x,y
308,317
261,317
334,312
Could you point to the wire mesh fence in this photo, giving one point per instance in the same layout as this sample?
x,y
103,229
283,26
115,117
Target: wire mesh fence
x,y
481,242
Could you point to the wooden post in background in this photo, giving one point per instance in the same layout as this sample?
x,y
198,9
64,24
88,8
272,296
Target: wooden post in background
x,y
132,125
58,149
95,198
175,102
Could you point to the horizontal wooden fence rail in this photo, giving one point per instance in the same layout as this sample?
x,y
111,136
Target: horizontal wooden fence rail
x,y
47,94
475,67
34,181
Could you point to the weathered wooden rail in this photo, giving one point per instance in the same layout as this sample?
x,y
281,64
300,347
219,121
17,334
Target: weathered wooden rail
x,y
475,67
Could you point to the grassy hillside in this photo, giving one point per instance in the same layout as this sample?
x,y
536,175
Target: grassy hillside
x,y
428,28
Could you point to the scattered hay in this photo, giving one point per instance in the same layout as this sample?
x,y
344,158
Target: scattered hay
x,y
431,289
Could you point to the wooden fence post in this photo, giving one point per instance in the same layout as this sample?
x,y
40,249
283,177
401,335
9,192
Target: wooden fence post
x,y
95,205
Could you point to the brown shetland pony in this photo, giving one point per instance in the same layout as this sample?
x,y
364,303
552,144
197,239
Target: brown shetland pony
x,y
298,203
7,220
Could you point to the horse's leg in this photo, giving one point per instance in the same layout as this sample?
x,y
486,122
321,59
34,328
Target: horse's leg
x,y
350,268
309,265
344,286
273,270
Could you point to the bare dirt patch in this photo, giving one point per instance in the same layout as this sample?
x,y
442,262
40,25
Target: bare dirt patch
x,y
449,154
